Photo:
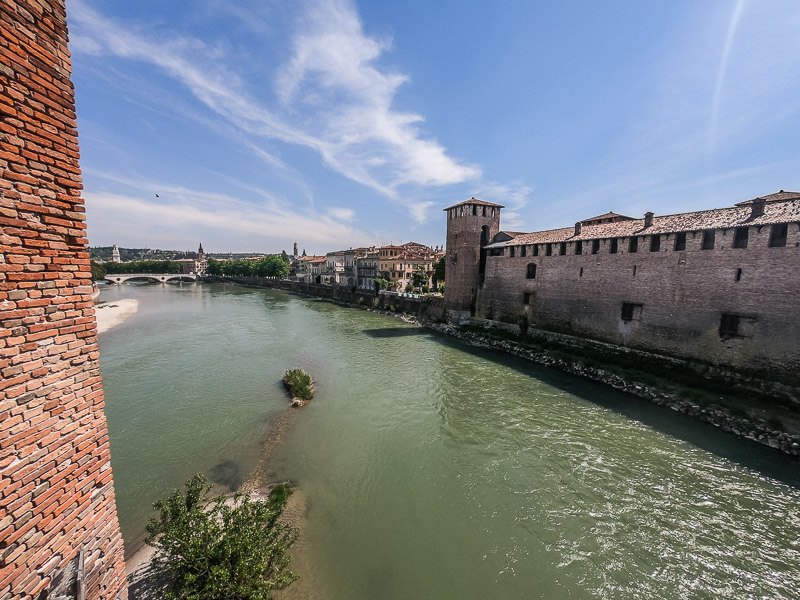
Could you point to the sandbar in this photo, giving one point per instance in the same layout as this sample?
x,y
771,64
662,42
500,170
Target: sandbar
x,y
110,314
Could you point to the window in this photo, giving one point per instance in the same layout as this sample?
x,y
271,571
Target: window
x,y
454,258
680,241
634,270
631,311
581,273
474,210
633,245
484,211
614,246
536,249
511,252
738,274
708,239
526,298
777,238
548,250
595,246
655,243
497,252
523,251
729,326
531,274
563,249
740,236
578,247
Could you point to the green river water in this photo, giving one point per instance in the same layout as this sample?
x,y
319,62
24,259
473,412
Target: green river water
x,y
428,469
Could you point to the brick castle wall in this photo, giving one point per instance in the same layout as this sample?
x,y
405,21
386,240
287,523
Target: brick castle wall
x,y
682,294
56,488
462,276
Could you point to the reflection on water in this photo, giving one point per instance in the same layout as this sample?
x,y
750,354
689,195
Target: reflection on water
x,y
428,469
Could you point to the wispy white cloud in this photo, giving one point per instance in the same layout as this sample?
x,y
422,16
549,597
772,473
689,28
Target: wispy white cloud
x,y
333,97
515,197
188,214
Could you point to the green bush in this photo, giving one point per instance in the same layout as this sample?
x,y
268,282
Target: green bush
x,y
209,548
299,384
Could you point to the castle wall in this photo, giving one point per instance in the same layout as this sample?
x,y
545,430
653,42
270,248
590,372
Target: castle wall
x,y
681,296
56,487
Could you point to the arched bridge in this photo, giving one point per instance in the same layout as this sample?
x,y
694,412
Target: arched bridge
x,y
120,278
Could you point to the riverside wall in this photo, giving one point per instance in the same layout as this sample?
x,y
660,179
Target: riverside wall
x,y
421,307
59,534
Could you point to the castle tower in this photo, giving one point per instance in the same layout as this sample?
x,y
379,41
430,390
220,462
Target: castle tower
x,y
295,249
470,225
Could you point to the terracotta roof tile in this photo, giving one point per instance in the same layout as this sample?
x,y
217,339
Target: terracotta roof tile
x,y
475,201
776,211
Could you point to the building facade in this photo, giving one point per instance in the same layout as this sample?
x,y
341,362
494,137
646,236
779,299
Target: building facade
x,y
716,285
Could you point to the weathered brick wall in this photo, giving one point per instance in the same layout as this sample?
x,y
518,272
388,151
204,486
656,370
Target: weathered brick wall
x,y
56,489
683,295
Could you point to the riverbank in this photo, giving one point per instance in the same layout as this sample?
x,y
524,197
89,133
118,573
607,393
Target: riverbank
x,y
257,486
111,314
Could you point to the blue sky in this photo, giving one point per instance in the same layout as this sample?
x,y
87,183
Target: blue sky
x,y
339,124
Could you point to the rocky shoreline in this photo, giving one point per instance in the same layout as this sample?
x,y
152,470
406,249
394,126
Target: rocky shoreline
x,y
718,416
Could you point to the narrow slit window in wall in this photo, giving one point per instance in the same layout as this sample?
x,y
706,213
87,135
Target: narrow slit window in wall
x,y
708,239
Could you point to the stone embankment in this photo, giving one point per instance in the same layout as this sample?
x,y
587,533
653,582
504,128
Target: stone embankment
x,y
717,416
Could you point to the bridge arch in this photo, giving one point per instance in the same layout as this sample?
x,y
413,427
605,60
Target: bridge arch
x,y
120,278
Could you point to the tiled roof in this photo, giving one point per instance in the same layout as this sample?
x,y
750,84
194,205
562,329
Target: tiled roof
x,y
776,197
475,201
776,211
608,216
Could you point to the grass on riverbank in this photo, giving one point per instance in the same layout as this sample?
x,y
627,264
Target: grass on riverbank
x,y
299,384
702,384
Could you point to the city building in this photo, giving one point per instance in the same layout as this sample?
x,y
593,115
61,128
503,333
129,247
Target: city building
x,y
715,285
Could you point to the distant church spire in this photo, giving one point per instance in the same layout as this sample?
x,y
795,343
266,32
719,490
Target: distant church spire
x,y
200,251
295,249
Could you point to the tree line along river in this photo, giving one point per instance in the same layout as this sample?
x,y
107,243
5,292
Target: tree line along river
x,y
428,469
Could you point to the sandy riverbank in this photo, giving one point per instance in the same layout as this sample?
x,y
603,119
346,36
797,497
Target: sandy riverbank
x,y
110,314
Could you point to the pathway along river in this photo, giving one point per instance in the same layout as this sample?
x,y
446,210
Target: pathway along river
x,y
427,469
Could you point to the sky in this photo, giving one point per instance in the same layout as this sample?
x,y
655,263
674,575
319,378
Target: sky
x,y
248,125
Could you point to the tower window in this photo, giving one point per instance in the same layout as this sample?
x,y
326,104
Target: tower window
x,y
523,251
777,237
581,273
548,250
740,236
738,274
614,246
526,298
474,210
655,243
531,273
578,247
708,239
484,211
680,241
563,249
511,252
595,246
536,249
728,326
633,245
454,258
631,311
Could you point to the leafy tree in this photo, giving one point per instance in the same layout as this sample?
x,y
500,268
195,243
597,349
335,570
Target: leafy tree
x,y
409,288
212,548
381,284
214,267
419,277
98,271
438,271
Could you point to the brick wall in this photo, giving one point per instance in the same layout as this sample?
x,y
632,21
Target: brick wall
x,y
682,296
56,489
463,253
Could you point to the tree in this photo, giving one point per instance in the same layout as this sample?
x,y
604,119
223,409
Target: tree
x,y
214,267
438,271
98,271
381,284
209,548
419,277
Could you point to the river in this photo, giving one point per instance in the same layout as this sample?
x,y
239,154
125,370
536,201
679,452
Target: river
x,y
428,469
